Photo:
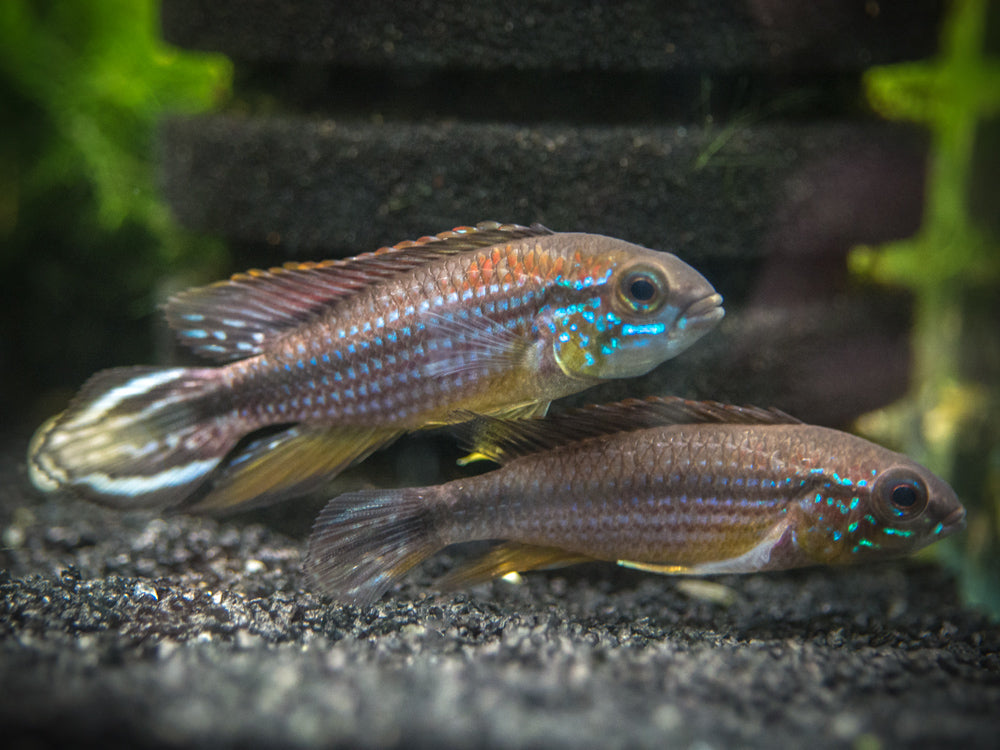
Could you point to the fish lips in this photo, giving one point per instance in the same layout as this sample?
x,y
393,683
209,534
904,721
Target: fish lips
x,y
954,521
702,314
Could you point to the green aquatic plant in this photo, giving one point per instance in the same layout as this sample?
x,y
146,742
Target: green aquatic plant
x,y
100,77
951,419
85,235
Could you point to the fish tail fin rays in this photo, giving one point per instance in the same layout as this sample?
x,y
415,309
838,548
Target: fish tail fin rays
x,y
293,462
509,557
136,437
365,541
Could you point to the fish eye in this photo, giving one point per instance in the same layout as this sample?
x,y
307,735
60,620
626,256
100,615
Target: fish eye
x,y
901,494
643,289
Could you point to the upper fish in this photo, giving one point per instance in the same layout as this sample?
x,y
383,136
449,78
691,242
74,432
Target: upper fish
x,y
324,362
665,485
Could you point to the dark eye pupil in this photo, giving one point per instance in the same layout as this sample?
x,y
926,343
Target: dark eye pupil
x,y
642,289
904,495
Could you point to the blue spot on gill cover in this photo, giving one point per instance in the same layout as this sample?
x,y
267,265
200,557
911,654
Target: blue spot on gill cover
x,y
897,532
645,329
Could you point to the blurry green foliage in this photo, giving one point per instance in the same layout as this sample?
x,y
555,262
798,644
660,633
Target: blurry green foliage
x,y
102,77
951,421
84,233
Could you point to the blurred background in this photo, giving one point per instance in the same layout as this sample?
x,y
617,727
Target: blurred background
x,y
832,169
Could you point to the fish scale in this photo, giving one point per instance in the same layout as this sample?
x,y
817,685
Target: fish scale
x,y
324,362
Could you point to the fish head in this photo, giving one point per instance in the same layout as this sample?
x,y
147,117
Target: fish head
x,y
898,507
908,507
625,311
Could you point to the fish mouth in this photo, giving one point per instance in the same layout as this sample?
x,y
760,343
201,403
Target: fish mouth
x,y
955,521
703,313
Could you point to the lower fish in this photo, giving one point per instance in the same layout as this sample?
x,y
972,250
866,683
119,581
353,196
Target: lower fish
x,y
663,485
322,363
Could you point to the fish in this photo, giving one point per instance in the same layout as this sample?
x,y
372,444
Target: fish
x,y
665,485
315,365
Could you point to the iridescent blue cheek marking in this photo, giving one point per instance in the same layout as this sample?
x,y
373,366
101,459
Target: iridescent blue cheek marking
x,y
644,329
865,543
897,532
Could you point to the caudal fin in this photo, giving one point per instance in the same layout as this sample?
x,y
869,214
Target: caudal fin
x,y
135,437
365,541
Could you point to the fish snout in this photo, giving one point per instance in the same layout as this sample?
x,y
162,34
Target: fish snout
x,y
954,521
703,313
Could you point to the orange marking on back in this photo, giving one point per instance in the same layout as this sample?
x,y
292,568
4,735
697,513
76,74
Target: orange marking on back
x,y
470,275
557,267
529,261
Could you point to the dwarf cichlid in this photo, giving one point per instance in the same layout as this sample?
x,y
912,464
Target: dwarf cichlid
x,y
665,485
328,361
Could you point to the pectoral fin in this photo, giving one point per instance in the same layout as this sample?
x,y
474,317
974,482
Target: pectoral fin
x,y
510,557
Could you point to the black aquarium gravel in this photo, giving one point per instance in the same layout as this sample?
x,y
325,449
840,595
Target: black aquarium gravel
x,y
145,631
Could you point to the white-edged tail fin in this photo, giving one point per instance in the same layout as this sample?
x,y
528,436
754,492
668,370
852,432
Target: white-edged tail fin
x,y
365,541
136,437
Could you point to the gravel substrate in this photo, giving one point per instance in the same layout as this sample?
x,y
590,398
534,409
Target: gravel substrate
x,y
152,631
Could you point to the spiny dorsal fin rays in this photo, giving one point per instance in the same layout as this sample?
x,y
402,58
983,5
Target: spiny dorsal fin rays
x,y
233,319
502,440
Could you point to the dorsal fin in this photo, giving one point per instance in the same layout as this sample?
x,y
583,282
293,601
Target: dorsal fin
x,y
233,319
502,440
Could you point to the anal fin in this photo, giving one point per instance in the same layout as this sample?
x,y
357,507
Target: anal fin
x,y
662,569
293,462
509,557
